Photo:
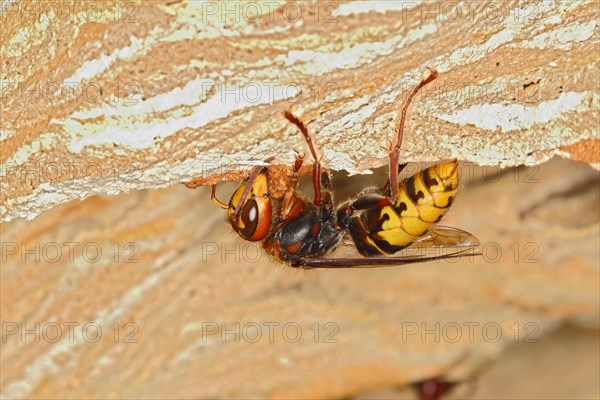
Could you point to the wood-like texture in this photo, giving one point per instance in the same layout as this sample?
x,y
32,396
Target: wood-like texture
x,y
109,97
180,273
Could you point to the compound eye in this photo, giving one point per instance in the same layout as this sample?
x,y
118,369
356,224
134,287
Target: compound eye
x,y
254,221
249,217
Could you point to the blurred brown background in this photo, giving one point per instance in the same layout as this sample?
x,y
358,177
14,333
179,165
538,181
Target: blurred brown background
x,y
186,309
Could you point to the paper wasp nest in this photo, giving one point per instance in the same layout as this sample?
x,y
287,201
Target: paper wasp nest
x,y
169,92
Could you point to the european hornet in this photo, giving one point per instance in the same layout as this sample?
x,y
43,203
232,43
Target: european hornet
x,y
380,222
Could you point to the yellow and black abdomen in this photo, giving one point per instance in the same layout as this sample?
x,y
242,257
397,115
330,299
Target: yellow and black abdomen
x,y
422,201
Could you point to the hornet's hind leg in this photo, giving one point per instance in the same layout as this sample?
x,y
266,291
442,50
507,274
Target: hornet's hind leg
x,y
386,189
395,151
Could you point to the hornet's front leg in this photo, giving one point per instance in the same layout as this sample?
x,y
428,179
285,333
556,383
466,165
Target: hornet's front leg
x,y
292,205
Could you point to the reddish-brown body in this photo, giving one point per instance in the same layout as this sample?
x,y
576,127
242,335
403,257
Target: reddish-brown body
x,y
380,223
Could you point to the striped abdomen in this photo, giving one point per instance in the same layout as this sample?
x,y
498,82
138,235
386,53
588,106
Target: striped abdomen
x,y
422,201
